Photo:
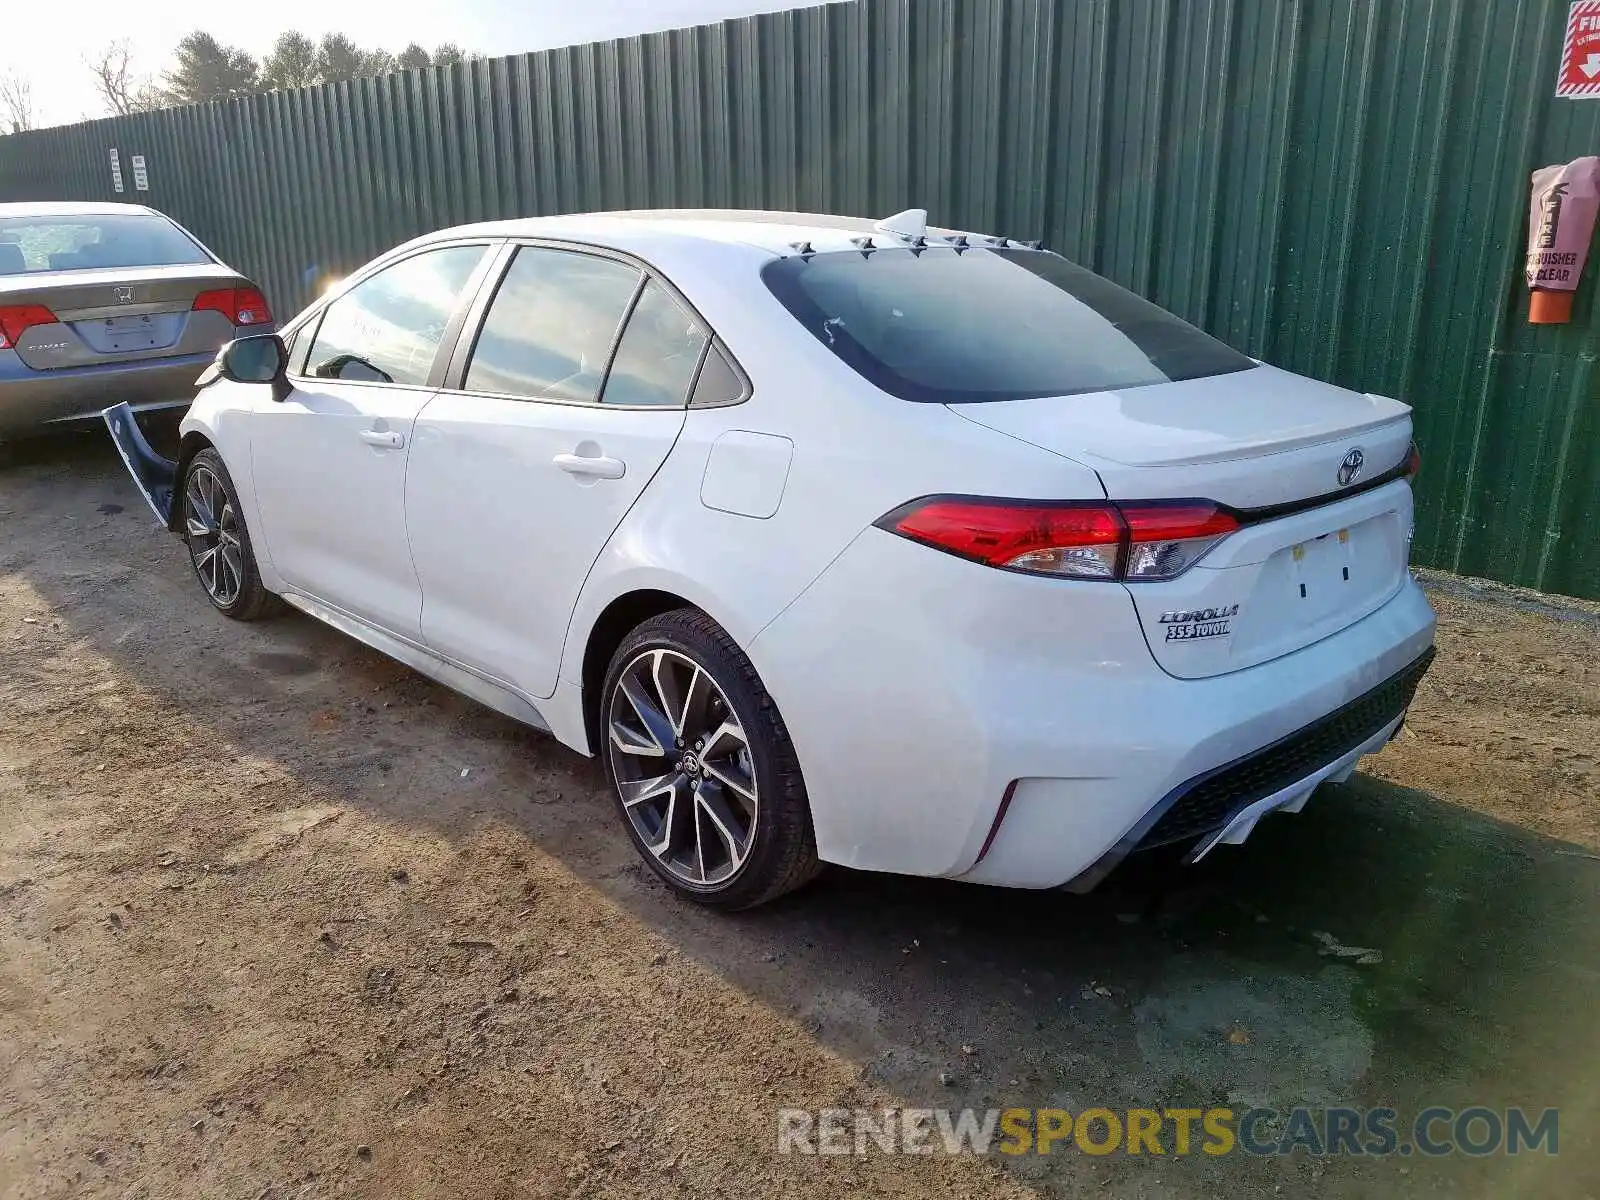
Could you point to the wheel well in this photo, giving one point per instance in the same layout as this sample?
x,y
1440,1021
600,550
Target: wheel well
x,y
191,445
620,618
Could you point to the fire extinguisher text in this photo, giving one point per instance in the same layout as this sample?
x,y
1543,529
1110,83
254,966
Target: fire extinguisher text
x,y
1552,266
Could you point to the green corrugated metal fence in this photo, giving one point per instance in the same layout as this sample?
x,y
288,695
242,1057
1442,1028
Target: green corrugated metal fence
x,y
1338,188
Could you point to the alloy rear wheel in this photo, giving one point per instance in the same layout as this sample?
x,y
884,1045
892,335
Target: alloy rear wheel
x,y
705,774
682,767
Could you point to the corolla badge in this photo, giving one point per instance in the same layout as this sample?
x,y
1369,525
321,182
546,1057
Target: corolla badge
x,y
1195,624
1351,466
124,295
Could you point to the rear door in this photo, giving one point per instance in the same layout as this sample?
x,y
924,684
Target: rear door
x,y
330,459
567,400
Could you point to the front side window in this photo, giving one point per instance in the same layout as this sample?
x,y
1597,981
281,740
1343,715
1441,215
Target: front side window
x,y
388,328
29,245
658,354
550,329
948,326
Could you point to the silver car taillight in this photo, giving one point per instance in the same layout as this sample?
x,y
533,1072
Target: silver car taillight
x,y
17,319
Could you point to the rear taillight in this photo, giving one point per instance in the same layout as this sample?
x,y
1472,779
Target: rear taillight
x,y
242,306
252,307
1166,539
17,319
1413,461
1133,541
1057,539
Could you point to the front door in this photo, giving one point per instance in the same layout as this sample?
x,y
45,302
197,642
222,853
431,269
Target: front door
x,y
330,460
567,408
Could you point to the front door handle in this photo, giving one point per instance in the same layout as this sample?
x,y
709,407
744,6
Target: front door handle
x,y
388,439
599,467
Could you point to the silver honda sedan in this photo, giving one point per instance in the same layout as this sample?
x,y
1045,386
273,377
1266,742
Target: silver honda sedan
x,y
103,303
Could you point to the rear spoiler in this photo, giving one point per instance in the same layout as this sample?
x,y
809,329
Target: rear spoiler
x,y
155,476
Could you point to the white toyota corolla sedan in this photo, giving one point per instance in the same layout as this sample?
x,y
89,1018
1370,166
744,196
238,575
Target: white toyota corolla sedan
x,y
871,544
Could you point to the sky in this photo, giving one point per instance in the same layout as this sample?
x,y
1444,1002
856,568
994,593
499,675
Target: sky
x,y
51,49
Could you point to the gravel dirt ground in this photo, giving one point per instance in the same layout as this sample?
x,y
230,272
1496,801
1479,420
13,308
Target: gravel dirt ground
x,y
279,918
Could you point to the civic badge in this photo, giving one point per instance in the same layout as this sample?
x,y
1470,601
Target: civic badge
x,y
1351,467
124,295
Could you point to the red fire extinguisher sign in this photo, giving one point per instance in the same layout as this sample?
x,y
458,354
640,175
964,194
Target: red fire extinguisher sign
x,y
1580,52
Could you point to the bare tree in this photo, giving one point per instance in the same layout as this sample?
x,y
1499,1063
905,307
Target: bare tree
x,y
112,69
120,89
16,103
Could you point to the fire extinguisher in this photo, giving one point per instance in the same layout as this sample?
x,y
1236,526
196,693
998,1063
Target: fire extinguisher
x,y
1561,219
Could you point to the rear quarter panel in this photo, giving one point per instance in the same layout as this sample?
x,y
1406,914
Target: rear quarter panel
x,y
857,454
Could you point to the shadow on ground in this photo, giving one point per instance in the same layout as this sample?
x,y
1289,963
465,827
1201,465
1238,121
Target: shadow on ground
x,y
1171,986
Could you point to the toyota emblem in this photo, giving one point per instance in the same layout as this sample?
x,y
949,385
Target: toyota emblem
x,y
1351,467
124,295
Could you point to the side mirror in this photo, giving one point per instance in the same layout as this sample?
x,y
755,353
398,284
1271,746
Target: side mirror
x,y
259,359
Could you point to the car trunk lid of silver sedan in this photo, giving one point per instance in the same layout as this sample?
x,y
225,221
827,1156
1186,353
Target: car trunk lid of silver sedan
x,y
119,314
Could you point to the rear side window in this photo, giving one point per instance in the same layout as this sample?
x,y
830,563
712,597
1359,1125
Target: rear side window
x,y
551,327
942,326
29,245
719,383
388,328
658,355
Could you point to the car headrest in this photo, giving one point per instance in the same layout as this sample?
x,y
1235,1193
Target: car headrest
x,y
11,261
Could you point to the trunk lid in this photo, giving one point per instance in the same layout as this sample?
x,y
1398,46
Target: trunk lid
x,y
1230,438
119,314
1274,587
1318,549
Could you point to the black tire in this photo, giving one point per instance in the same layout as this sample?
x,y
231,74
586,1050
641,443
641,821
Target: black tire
x,y
782,847
249,600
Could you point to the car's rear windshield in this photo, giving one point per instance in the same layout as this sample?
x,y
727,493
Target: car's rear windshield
x,y
84,243
949,326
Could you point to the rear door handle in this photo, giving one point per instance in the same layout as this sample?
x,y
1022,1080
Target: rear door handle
x,y
600,467
386,438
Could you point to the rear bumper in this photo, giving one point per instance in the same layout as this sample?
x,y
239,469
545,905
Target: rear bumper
x,y
1222,805
920,690
32,400
156,477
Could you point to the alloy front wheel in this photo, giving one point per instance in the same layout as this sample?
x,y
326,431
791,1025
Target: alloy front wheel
x,y
219,541
212,529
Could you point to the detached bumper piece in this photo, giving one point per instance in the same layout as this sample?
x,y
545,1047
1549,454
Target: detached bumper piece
x,y
1220,801
155,476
